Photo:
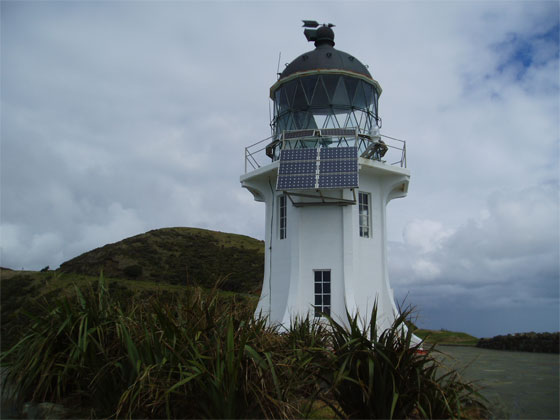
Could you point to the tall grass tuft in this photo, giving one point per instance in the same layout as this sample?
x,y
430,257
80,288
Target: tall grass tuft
x,y
203,355
382,374
66,352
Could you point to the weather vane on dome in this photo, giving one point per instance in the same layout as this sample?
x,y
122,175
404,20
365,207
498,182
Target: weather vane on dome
x,y
311,34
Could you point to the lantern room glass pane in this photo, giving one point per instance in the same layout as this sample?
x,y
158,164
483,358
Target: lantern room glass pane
x,y
351,84
277,96
320,120
325,101
290,89
308,83
360,97
368,92
330,81
340,96
320,99
300,99
280,123
301,119
284,105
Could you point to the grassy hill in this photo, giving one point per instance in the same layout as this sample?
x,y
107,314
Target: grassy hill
x,y
164,261
445,337
186,256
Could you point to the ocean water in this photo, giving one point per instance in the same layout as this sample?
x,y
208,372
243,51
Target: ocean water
x,y
519,385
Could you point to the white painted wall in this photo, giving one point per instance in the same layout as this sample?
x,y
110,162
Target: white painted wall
x,y
327,237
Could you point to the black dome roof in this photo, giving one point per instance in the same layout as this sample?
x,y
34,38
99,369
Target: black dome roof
x,y
325,57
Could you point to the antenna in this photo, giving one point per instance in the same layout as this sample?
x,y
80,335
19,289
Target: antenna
x,y
269,112
278,66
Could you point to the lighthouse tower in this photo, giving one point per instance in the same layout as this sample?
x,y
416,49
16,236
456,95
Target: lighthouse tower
x,y
326,176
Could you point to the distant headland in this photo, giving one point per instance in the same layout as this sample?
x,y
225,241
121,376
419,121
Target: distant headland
x,y
531,342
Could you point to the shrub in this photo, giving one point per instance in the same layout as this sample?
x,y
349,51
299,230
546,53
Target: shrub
x,y
381,374
67,351
133,271
203,355
531,342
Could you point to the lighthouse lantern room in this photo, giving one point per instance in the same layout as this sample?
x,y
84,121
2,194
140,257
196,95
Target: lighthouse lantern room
x,y
329,177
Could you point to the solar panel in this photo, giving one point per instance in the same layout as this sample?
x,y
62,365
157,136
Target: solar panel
x,y
346,165
338,167
339,152
335,167
296,182
338,132
338,181
298,154
298,133
297,167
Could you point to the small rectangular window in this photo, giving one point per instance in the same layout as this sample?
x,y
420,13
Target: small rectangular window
x,y
364,214
282,217
322,292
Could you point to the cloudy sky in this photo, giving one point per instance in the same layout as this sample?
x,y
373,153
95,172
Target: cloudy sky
x,y
121,117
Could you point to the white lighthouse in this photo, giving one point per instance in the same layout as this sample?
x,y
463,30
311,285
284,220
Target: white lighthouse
x,y
326,176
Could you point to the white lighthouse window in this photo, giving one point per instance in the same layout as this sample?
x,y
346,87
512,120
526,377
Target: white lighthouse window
x,y
364,214
282,217
322,292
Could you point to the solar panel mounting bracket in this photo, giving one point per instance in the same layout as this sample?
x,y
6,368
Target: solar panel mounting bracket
x,y
325,200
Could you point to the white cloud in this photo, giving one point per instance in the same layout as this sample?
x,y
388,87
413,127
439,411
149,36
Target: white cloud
x,y
25,246
425,269
118,118
426,235
119,223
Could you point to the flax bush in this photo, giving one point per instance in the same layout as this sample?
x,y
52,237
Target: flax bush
x,y
203,355
383,375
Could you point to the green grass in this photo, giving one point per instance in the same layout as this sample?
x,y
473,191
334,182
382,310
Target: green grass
x,y
23,291
184,256
448,338
197,353
45,283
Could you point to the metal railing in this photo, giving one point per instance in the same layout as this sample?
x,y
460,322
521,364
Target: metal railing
x,y
255,154
400,146
381,148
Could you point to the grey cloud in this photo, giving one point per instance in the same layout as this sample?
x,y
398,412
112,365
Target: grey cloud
x,y
505,258
118,118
